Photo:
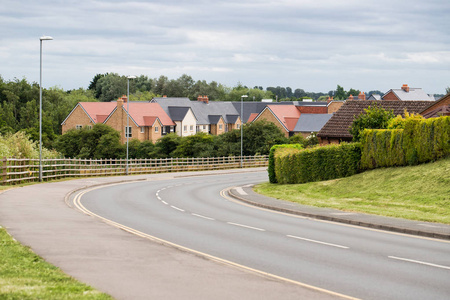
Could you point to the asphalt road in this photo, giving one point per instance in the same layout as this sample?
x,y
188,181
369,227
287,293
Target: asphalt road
x,y
353,261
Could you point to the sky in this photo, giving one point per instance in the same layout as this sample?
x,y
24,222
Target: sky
x,y
314,45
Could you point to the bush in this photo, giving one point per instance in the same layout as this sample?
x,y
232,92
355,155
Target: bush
x,y
315,164
271,166
421,140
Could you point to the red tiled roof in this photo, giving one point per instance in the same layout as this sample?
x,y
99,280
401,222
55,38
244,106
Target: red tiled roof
x,y
339,124
140,112
149,121
287,114
96,110
252,117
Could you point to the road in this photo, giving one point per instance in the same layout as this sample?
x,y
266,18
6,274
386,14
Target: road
x,y
358,262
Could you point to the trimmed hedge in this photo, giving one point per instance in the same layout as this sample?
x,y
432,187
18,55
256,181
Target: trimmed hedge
x,y
271,166
422,140
315,164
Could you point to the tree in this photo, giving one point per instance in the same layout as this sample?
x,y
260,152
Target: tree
x,y
198,145
260,136
340,94
374,117
166,145
93,83
111,86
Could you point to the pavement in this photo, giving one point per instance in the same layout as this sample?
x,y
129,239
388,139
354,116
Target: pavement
x,y
425,229
131,267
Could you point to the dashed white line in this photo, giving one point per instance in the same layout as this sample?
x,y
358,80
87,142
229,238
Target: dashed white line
x,y
420,262
204,217
159,198
245,226
177,208
164,202
317,242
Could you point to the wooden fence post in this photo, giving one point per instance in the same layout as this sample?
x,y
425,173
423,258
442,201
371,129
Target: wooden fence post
x,y
4,169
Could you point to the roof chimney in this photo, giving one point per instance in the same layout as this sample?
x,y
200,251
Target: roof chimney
x,y
202,98
405,87
362,96
350,97
329,99
165,96
119,102
124,98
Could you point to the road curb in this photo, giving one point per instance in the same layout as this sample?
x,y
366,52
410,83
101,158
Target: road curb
x,y
271,203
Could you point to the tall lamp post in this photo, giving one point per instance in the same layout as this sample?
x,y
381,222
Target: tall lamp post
x,y
128,131
242,123
42,38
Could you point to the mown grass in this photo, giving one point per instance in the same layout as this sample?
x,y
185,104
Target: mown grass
x,y
416,193
24,275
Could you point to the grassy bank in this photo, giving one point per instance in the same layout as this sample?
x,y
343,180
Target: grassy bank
x,y
417,193
24,275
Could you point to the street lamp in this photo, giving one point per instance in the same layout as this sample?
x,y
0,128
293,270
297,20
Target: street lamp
x,y
42,38
242,123
128,115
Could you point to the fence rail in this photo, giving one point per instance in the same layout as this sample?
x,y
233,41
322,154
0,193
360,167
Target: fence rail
x,y
21,170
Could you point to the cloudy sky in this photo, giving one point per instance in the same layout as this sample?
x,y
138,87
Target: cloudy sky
x,y
310,44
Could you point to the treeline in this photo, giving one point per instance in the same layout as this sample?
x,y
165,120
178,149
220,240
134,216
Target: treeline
x,y
104,142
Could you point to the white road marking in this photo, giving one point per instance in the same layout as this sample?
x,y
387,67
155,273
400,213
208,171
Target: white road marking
x,y
420,262
318,242
159,198
164,202
200,216
245,226
343,214
177,208
240,191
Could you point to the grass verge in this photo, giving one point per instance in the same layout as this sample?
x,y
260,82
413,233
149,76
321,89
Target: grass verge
x,y
417,193
24,275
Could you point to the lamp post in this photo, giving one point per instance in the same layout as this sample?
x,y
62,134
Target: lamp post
x,y
128,115
242,123
42,38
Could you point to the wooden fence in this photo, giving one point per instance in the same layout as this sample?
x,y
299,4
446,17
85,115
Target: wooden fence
x,y
21,170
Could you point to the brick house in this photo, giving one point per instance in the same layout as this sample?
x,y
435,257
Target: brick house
x,y
405,93
438,108
87,114
337,129
148,121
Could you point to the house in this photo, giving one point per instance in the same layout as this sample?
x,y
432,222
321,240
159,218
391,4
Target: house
x,y
337,128
438,108
184,118
405,93
309,123
87,114
147,121
210,117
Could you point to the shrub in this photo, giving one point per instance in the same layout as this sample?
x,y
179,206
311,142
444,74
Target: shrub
x,y
271,166
315,164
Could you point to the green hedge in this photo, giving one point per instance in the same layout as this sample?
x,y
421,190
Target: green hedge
x,y
315,164
271,166
422,140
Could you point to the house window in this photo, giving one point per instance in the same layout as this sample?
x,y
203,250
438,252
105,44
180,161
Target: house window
x,y
128,131
191,128
238,126
220,126
156,129
89,126
204,127
142,129
79,126
164,130
185,128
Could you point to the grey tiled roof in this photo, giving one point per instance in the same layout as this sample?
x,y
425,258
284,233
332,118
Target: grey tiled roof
x,y
311,122
177,113
414,94
214,119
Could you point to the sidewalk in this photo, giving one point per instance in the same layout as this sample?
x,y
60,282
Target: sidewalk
x,y
426,229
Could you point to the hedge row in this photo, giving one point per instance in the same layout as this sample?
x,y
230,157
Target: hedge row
x,y
315,164
271,166
421,141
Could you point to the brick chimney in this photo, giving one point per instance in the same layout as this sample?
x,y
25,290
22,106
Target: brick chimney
x,y
405,87
350,97
329,99
203,99
165,96
120,102
362,96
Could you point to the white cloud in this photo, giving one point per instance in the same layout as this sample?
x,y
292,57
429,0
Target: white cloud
x,y
306,44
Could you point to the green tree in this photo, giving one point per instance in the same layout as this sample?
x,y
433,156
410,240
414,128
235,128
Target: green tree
x,y
260,136
166,145
374,117
112,86
197,145
340,94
